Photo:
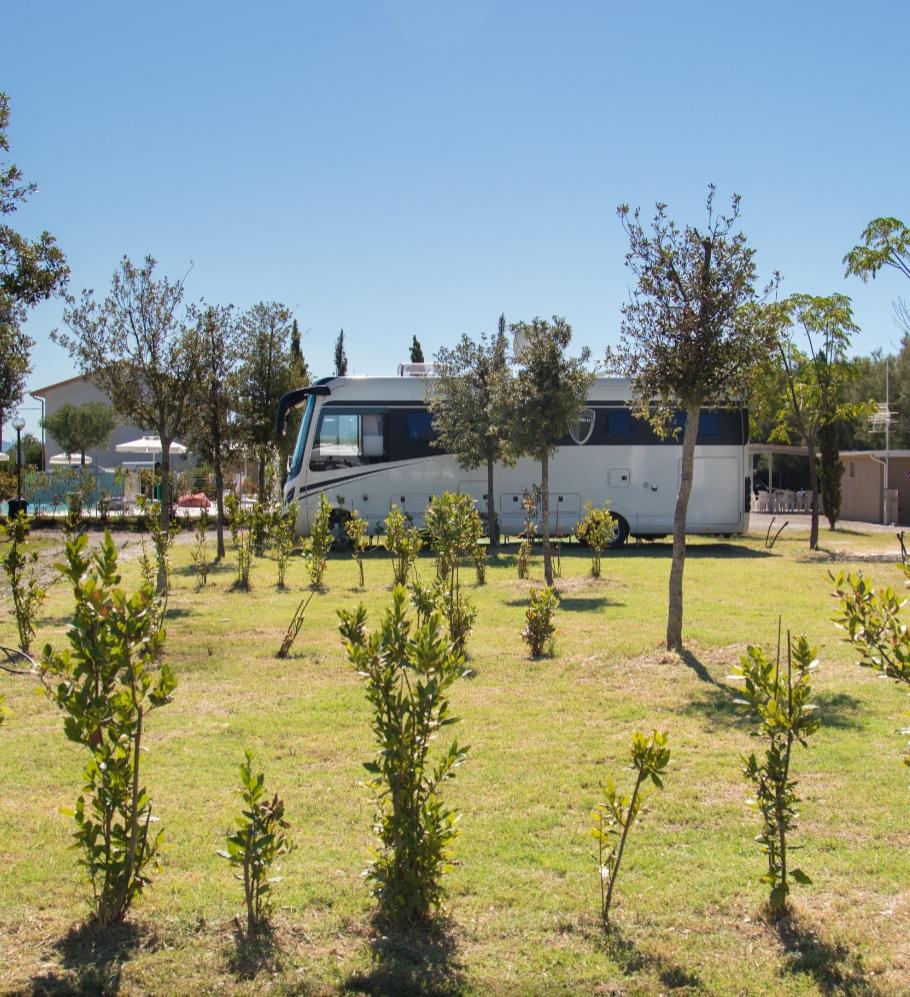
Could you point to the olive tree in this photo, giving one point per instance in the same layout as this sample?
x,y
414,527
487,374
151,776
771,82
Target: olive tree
x,y
549,395
470,398
267,369
77,428
690,334
136,348
816,377
211,433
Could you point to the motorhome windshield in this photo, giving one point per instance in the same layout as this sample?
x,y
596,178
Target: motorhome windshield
x,y
297,462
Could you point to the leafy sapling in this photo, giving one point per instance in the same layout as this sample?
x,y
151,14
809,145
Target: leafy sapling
x,y
596,529
479,556
402,542
107,683
408,673
19,567
240,522
257,842
200,550
284,530
530,503
615,816
162,538
355,526
321,540
872,623
540,627
778,696
455,528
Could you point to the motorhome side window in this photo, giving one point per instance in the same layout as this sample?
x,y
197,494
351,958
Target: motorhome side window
x,y
619,424
349,439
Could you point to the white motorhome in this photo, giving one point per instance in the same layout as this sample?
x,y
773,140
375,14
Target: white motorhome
x,y
370,441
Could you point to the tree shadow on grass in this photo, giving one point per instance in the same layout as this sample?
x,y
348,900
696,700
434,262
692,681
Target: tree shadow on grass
x,y
728,551
717,705
420,961
253,955
630,959
93,959
572,604
833,967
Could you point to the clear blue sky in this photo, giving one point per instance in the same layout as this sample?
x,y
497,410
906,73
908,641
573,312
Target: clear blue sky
x,y
419,167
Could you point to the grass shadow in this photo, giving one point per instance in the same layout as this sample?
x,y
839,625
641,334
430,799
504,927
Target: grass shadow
x,y
93,959
631,960
718,706
420,961
253,955
571,604
833,967
178,612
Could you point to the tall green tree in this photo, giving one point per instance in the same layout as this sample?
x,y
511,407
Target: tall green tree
x,y
341,358
690,336
886,243
550,393
31,452
78,428
136,347
471,398
416,350
211,433
266,370
816,377
31,270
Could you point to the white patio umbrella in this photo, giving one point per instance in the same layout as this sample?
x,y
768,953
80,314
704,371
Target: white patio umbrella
x,y
148,445
70,459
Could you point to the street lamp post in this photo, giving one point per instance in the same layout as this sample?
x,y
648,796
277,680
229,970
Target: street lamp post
x,y
19,505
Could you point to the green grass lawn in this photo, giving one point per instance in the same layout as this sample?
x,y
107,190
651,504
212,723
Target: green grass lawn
x,y
523,899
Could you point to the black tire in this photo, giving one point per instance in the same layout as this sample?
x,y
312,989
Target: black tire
x,y
620,534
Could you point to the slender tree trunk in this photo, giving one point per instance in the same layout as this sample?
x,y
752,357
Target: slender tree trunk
x,y
82,455
165,515
219,506
813,485
687,465
545,517
261,479
492,525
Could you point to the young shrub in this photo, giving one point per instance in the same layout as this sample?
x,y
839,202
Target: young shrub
x,y
285,536
321,540
540,628
260,527
19,566
74,523
779,699
617,813
479,556
258,840
531,505
871,620
107,684
408,673
403,543
455,529
146,564
201,550
162,538
596,530
355,527
239,523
